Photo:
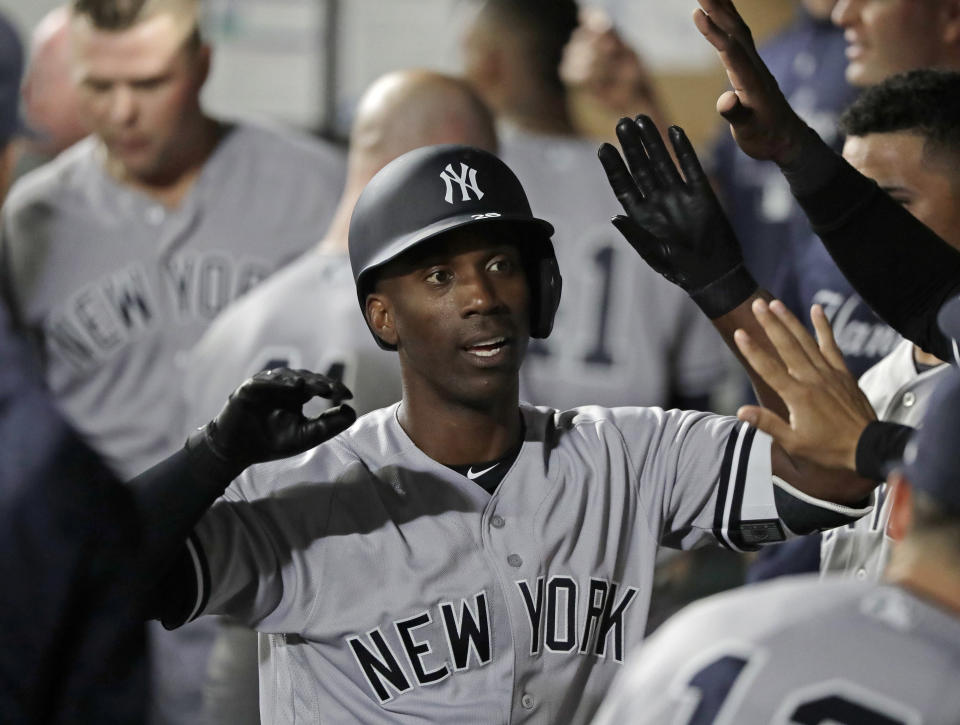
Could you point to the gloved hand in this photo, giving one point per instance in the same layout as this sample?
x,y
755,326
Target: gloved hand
x,y
676,225
263,421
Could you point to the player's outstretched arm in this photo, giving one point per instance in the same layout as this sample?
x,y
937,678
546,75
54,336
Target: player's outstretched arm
x,y
847,210
761,120
262,421
675,222
827,410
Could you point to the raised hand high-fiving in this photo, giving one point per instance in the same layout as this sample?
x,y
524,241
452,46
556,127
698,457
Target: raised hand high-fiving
x,y
675,222
761,120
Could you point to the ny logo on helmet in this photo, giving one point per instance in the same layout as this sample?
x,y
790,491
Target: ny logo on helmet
x,y
467,179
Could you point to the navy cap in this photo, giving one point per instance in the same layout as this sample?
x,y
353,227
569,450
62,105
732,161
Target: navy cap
x,y
11,70
930,460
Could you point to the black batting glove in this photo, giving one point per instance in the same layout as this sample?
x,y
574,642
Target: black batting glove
x,y
675,222
263,420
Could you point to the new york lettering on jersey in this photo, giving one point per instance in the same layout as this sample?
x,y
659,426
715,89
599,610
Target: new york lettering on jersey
x,y
127,305
560,621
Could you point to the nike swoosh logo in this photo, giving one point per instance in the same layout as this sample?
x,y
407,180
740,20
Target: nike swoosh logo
x,y
472,475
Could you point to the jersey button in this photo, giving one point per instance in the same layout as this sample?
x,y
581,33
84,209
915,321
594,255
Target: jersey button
x,y
514,561
156,215
909,399
497,522
527,701
861,574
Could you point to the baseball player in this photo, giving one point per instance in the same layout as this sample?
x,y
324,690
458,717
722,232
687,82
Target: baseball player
x,y
460,556
116,256
902,133
855,652
862,228
623,335
399,112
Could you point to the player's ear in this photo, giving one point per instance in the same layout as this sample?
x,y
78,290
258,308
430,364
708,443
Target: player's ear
x,y
379,314
901,510
202,60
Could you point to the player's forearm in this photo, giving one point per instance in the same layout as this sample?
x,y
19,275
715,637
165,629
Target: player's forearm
x,y
172,496
901,268
742,317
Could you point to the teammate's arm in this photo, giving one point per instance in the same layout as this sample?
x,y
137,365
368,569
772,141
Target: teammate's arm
x,y
262,421
861,226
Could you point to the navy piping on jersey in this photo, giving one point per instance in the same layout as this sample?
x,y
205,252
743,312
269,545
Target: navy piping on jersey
x,y
722,487
733,531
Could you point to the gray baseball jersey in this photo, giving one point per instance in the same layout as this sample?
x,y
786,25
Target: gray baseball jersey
x,y
623,334
393,589
796,651
900,394
114,286
304,316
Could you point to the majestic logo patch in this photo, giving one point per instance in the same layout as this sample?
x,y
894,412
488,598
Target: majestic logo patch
x,y
466,180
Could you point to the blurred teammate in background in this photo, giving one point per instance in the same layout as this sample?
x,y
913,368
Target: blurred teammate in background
x,y
116,256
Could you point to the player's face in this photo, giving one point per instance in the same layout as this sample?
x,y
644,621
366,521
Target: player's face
x,y
459,315
139,89
885,37
924,184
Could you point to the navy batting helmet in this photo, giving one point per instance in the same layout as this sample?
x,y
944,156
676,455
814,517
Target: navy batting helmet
x,y
432,190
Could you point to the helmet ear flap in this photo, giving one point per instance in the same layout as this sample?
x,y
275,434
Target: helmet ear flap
x,y
546,294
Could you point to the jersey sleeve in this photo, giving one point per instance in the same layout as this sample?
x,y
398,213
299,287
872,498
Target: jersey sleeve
x,y
705,478
247,552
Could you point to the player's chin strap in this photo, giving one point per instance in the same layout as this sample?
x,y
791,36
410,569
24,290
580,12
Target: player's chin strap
x,y
804,514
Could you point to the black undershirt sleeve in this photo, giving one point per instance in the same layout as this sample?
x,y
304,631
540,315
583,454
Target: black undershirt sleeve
x,y
171,497
881,444
899,266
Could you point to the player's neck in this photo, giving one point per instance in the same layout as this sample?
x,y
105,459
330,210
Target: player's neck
x,y
928,577
171,184
455,434
335,239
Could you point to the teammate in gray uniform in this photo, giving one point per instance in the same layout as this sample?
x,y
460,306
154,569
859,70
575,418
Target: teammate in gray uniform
x,y
459,556
855,652
399,112
903,133
624,336
117,255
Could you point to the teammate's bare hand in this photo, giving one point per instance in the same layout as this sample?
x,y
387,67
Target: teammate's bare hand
x,y
828,411
263,419
675,222
761,120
